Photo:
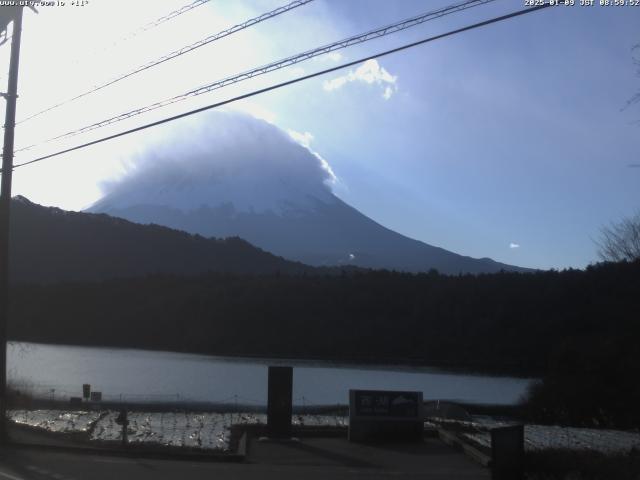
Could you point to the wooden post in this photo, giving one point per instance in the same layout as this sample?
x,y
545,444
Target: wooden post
x,y
5,208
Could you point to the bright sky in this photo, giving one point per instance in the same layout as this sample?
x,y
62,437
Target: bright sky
x,y
509,142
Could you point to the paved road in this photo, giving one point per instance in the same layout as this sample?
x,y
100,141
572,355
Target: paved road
x,y
310,459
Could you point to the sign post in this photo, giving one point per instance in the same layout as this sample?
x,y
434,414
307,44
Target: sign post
x,y
280,404
123,419
385,416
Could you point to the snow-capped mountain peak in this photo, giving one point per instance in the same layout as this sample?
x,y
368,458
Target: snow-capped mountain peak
x,y
235,175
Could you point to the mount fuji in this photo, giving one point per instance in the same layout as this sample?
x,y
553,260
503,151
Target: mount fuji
x,y
235,175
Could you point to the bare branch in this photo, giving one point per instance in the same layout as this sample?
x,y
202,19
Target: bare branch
x,y
635,55
621,241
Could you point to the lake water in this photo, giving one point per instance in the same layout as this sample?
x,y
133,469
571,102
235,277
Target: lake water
x,y
59,371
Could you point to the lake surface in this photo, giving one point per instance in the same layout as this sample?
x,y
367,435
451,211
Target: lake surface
x,y
59,371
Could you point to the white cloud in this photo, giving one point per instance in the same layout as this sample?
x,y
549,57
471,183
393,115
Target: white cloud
x,y
334,56
223,157
253,109
335,83
514,245
331,57
303,139
369,72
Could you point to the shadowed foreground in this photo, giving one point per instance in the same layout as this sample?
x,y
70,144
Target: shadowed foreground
x,y
310,458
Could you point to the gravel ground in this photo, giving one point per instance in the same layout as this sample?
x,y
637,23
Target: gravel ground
x,y
541,437
55,420
208,431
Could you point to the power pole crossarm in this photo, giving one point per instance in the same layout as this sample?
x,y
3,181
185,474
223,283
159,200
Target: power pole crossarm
x,y
5,206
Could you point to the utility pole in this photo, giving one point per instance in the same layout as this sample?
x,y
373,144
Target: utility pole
x,y
5,207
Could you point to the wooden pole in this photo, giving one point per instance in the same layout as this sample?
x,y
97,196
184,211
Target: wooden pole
x,y
5,208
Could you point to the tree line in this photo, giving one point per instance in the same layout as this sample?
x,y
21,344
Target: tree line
x,y
504,322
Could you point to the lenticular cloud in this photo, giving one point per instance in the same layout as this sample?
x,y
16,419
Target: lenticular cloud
x,y
223,158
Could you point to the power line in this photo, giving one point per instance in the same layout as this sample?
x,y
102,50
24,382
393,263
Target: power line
x,y
163,19
177,53
150,25
287,83
286,62
169,16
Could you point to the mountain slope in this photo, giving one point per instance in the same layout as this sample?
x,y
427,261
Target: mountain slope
x,y
239,176
331,234
49,245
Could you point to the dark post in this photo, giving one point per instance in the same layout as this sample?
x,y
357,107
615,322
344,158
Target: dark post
x,y
280,405
123,420
507,453
5,204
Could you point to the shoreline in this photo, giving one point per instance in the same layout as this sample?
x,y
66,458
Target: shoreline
x,y
373,363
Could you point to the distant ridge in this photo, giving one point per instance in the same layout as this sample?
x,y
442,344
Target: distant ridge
x,y
50,245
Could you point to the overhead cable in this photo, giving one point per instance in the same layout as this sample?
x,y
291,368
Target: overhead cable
x,y
286,83
174,54
277,65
